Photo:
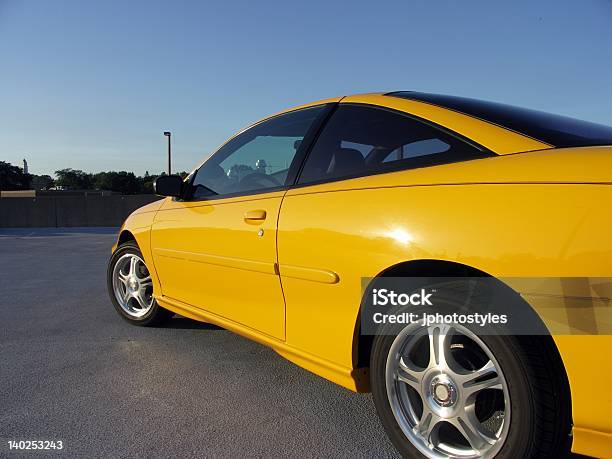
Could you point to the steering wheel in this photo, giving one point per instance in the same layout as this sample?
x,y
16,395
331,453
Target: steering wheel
x,y
257,179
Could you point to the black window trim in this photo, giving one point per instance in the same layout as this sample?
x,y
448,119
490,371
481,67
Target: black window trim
x,y
296,163
311,137
401,167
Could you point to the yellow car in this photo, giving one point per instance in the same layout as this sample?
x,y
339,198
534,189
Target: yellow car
x,y
281,234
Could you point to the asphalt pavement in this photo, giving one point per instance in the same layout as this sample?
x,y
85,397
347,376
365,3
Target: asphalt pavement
x,y
72,370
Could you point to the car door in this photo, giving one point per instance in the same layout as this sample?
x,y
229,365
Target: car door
x,y
342,223
215,249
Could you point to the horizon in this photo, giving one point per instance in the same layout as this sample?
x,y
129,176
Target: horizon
x,y
94,87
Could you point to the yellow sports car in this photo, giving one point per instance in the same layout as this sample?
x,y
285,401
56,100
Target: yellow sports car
x,y
282,234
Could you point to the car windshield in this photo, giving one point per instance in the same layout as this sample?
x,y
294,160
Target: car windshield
x,y
555,130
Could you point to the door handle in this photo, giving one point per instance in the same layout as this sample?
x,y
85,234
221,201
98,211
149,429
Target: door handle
x,y
255,216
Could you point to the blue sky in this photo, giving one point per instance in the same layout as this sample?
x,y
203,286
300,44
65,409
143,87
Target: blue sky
x,y
92,84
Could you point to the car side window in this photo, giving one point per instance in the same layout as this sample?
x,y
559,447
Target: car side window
x,y
257,159
361,140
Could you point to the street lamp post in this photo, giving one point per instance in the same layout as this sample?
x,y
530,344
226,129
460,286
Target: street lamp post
x,y
169,134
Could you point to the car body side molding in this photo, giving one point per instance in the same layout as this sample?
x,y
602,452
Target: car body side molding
x,y
229,262
310,274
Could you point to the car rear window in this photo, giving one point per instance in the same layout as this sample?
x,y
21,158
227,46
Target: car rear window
x,y
555,130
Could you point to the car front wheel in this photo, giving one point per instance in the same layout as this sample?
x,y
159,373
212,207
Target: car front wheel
x,y
131,288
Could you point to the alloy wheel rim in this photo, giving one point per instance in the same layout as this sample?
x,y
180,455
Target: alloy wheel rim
x,y
447,392
132,285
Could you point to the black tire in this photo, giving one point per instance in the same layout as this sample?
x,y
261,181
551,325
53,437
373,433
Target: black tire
x,y
156,315
541,420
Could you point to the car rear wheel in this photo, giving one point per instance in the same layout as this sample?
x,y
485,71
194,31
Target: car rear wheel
x,y
443,391
131,288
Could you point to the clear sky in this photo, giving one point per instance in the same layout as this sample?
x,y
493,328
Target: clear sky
x,y
93,84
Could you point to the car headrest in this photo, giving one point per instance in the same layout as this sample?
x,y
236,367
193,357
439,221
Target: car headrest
x,y
212,171
346,161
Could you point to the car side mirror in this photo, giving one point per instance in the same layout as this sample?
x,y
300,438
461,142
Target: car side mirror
x,y
169,185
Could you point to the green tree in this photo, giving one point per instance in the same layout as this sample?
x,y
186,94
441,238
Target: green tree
x,y
74,179
146,183
42,182
13,178
122,182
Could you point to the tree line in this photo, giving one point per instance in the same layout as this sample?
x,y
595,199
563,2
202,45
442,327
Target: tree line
x,y
14,178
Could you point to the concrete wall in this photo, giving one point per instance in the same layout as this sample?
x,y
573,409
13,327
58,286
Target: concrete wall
x,y
18,194
63,211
